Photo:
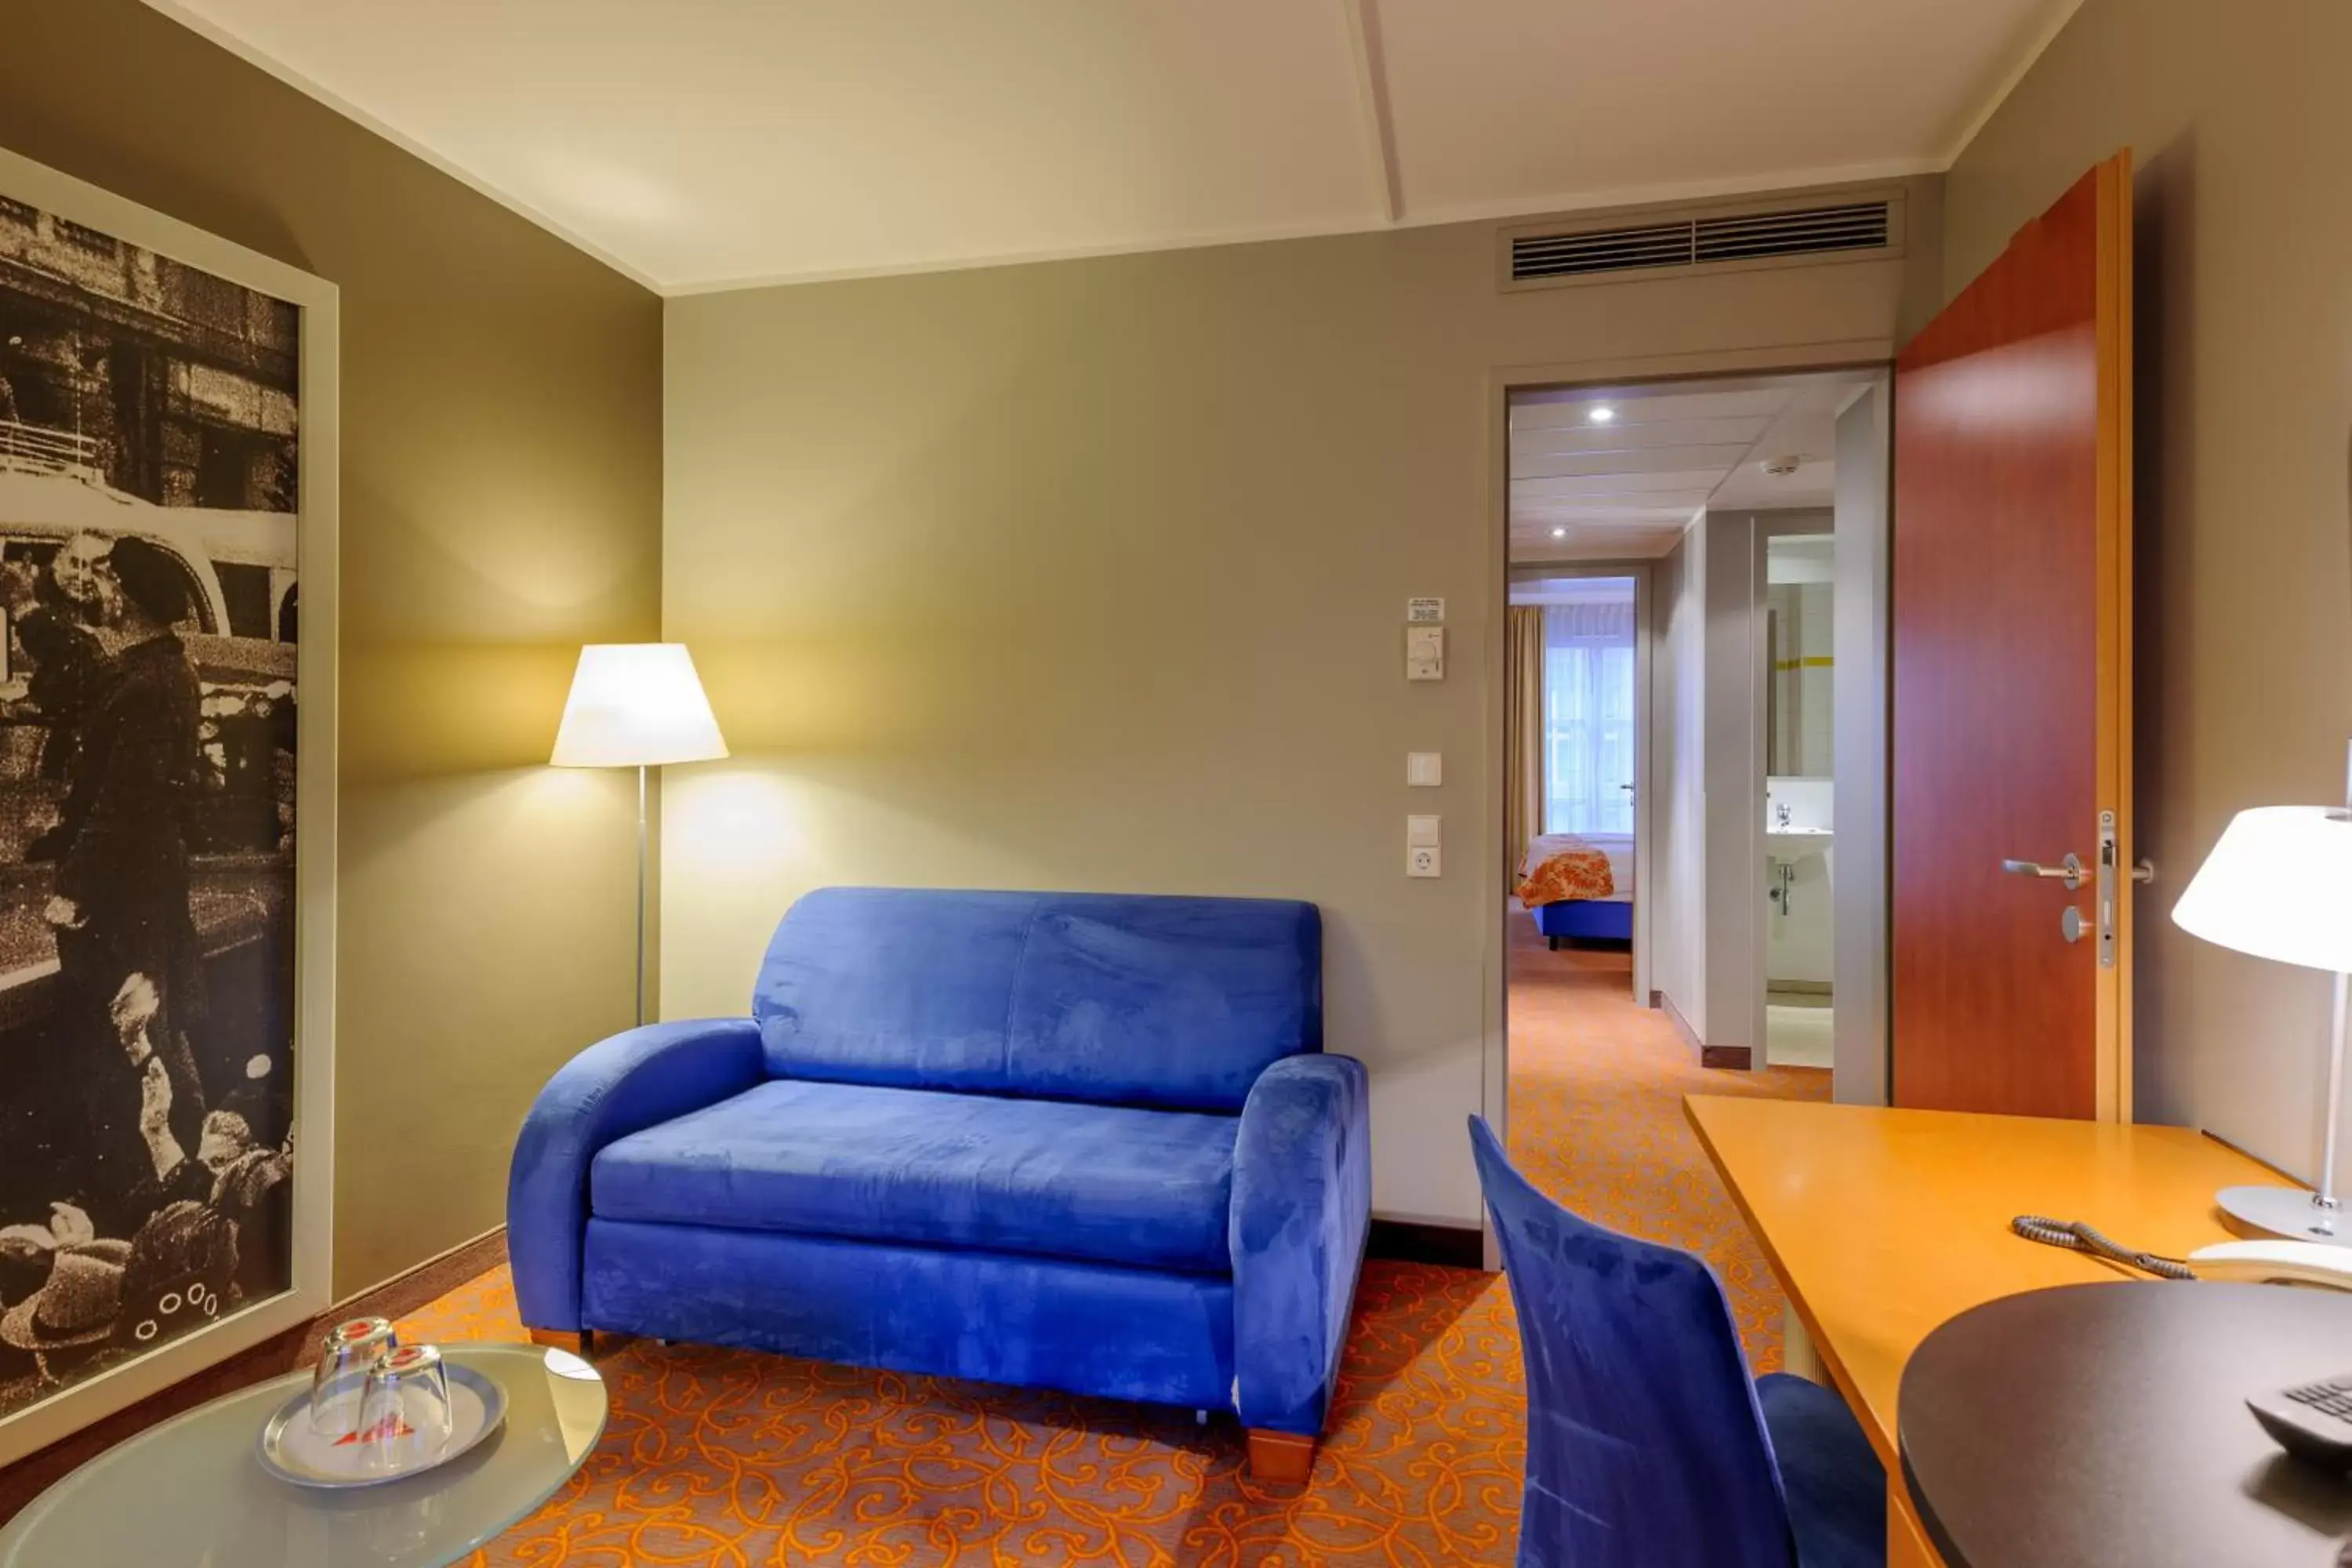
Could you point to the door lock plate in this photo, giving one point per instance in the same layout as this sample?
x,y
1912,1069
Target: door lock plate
x,y
2107,892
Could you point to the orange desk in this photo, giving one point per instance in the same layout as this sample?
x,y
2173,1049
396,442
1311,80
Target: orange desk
x,y
1881,1225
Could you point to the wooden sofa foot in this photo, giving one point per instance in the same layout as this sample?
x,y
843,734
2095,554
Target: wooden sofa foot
x,y
579,1343
1280,1455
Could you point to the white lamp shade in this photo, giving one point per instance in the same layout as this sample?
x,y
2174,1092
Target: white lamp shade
x,y
635,705
2278,885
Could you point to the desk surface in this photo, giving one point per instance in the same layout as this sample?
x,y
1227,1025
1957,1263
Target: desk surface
x,y
2095,1425
1882,1224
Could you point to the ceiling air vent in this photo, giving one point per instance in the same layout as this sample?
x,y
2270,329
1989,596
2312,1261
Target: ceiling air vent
x,y
1713,238
1859,226
1602,250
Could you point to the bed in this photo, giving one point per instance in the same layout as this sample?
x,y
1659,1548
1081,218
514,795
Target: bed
x,y
1579,886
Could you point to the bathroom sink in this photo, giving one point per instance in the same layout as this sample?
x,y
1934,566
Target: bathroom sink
x,y
1797,840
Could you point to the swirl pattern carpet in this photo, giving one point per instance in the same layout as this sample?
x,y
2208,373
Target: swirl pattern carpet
x,y
738,1460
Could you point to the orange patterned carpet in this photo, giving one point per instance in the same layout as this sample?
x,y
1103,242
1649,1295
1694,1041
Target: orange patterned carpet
x,y
738,1460
1597,1087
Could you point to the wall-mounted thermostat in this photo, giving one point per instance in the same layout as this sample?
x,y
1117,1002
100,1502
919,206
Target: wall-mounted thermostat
x,y
1425,653
1424,612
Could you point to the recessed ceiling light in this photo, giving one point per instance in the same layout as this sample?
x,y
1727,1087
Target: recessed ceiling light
x,y
1559,534
1602,414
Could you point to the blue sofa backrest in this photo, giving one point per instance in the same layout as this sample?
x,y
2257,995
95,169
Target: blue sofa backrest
x,y
1121,999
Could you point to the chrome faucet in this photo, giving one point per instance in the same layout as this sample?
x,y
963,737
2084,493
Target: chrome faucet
x,y
1781,814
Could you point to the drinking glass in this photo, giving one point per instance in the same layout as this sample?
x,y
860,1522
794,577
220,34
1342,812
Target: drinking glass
x,y
405,1415
339,1383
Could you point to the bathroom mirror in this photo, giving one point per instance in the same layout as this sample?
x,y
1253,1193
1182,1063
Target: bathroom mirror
x,y
1797,643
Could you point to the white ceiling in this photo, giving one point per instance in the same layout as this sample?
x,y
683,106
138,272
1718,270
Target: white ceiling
x,y
1616,473
705,144
1571,590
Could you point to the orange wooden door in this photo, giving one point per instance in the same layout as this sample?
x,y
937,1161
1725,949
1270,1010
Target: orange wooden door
x,y
2011,645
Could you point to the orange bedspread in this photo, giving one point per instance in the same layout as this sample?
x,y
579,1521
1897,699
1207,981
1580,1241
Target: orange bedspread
x,y
1559,866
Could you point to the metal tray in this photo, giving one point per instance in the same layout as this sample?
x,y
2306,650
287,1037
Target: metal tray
x,y
289,1450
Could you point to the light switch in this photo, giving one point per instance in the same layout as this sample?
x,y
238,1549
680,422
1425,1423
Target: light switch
x,y
1425,653
1424,770
1422,831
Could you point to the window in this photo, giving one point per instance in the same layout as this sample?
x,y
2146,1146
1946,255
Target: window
x,y
1589,730
244,588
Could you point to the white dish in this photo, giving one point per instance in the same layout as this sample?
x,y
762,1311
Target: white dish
x,y
289,1450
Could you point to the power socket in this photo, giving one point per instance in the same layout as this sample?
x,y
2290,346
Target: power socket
x,y
1423,835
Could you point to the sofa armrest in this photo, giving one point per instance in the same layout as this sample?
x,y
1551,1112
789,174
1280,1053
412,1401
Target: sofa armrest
x,y
1302,1208
618,1086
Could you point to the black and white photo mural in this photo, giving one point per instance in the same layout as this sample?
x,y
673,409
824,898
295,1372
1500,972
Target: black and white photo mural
x,y
151,493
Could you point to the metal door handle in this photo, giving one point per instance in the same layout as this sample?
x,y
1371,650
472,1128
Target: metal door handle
x,y
2069,870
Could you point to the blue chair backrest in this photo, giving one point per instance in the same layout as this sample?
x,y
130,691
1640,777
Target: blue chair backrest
x,y
1645,1447
1122,999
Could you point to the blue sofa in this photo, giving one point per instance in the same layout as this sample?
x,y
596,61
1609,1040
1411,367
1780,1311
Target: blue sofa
x,y
1076,1142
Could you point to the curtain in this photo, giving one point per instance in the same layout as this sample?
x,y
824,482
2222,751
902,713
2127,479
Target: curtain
x,y
1523,730
1588,718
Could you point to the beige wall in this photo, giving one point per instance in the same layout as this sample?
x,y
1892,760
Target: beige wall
x,y
1858,748
1731,791
1092,575
501,504
2239,121
1678,780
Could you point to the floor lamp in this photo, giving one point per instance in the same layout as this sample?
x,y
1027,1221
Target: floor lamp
x,y
2279,885
637,705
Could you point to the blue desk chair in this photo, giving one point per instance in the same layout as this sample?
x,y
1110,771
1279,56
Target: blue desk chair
x,y
1647,1444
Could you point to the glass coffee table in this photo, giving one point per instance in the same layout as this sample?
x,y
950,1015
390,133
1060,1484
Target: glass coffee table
x,y
192,1490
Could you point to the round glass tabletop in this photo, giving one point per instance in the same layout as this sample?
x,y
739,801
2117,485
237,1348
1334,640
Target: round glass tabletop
x,y
191,1491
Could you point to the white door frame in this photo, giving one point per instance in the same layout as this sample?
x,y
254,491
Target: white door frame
x,y
1644,708
1501,381
1863,613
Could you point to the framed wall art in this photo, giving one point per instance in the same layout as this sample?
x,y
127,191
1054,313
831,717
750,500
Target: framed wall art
x,y
167,574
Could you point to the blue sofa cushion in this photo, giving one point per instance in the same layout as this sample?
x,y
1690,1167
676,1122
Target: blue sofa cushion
x,y
880,985
1150,1189
1125,1000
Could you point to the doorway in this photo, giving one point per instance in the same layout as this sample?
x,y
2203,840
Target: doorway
x,y
1800,792
1577,676
1649,526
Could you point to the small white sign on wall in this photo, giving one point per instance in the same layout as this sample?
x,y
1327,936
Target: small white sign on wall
x,y
1424,612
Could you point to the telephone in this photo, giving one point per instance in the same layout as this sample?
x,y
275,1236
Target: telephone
x,y
2312,1420
2276,1263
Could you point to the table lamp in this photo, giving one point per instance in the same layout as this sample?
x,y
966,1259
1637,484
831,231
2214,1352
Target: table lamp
x,y
2279,885
637,705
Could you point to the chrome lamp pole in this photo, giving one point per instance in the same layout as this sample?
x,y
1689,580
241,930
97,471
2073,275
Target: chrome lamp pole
x,y
641,896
